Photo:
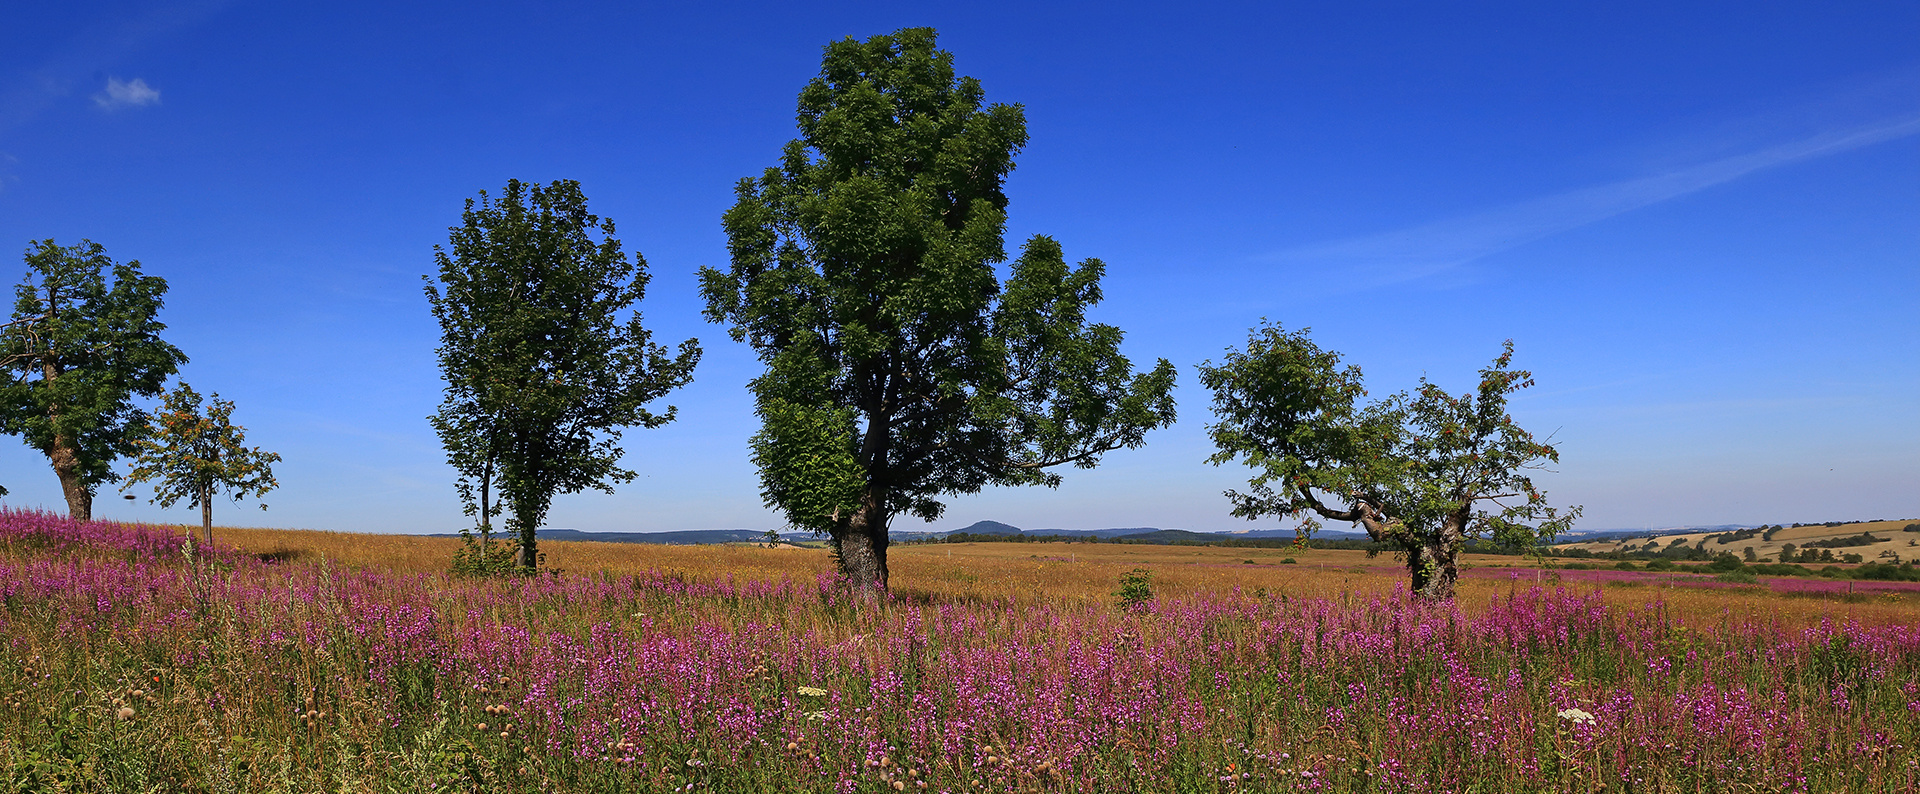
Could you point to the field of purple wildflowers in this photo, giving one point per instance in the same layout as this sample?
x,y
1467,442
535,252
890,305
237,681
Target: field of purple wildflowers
x,y
134,663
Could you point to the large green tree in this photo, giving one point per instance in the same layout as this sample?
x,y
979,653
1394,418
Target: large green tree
x,y
196,455
544,358
83,343
898,367
1422,472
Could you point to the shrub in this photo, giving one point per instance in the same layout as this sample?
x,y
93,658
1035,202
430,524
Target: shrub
x,y
1725,563
488,556
1738,577
1136,588
1662,564
1289,561
1624,565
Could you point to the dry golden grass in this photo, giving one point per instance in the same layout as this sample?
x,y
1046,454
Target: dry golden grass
x,y
1904,544
1068,572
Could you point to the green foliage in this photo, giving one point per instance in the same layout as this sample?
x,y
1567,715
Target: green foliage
x,y
1862,539
1414,470
196,456
899,368
544,360
1136,588
482,555
82,344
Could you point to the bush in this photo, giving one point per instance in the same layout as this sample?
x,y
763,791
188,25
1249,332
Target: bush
x,y
1136,588
1886,572
1661,564
1738,577
1577,566
486,556
1623,565
1289,561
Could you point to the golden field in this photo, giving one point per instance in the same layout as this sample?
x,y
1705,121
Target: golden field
x,y
1080,572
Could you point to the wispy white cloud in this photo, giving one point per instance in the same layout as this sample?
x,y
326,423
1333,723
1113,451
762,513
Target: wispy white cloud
x,y
25,94
1434,248
126,94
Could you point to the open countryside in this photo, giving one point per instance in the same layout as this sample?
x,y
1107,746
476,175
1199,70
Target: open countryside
x,y
630,398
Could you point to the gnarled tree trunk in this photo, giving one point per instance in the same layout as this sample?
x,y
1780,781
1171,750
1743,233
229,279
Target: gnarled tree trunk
x,y
861,543
66,466
1435,562
1434,572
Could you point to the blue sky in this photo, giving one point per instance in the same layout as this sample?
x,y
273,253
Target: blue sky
x,y
1699,222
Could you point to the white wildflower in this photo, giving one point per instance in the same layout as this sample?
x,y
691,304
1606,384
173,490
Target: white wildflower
x,y
1577,716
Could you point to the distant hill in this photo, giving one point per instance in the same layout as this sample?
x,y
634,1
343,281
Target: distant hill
x,y
1137,534
986,528
683,537
691,537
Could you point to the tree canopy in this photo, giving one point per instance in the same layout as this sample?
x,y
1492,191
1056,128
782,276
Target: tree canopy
x,y
899,368
196,456
1423,471
84,341
544,358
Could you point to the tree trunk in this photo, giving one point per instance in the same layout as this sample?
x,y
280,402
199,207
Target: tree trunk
x,y
206,512
1434,572
1435,562
527,557
862,544
66,465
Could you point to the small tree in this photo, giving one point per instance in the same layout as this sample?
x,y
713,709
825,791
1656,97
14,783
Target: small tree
x,y
80,347
543,359
1413,470
898,367
195,456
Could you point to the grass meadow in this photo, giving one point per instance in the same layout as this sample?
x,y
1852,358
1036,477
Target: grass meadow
x,y
310,661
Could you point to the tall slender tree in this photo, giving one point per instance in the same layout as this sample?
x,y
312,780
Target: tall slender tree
x,y
194,455
83,343
898,367
1422,472
544,359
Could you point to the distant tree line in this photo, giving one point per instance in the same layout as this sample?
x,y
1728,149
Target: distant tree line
x,y
1372,547
1726,563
